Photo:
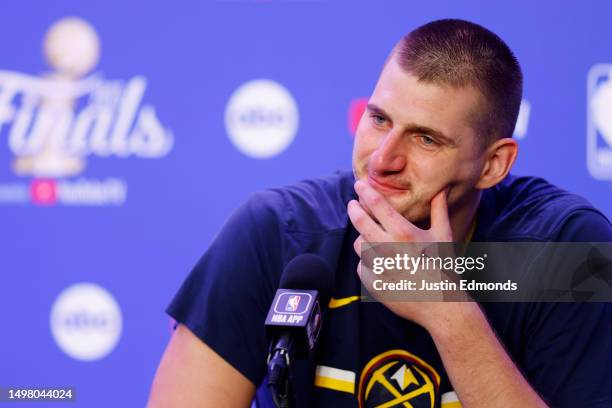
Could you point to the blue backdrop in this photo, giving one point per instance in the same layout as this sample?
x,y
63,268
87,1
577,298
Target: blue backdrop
x,y
130,131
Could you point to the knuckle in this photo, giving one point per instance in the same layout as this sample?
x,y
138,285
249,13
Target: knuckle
x,y
390,212
405,234
358,218
376,200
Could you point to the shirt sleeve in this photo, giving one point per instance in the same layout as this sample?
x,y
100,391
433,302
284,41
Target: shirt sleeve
x,y
225,299
568,354
586,226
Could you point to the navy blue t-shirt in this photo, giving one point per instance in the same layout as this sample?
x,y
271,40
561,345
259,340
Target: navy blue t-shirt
x,y
368,356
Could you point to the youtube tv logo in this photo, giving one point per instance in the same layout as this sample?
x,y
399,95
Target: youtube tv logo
x,y
356,110
43,192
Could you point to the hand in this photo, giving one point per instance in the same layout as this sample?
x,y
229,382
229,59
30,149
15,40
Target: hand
x,y
391,225
460,331
387,225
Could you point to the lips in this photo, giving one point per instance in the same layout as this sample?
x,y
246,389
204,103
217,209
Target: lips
x,y
382,186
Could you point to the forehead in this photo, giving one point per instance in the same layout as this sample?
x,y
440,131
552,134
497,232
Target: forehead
x,y
450,110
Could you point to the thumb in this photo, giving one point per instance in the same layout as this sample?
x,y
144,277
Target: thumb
x,y
440,221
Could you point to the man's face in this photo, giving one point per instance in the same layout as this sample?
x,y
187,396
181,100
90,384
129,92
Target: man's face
x,y
415,140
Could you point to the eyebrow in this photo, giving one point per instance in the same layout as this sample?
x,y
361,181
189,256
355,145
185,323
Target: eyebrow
x,y
414,128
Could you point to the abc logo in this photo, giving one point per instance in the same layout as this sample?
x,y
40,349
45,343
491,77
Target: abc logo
x,y
86,321
261,118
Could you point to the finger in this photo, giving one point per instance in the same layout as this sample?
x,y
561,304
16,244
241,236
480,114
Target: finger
x,y
357,245
364,250
440,221
363,223
367,277
384,212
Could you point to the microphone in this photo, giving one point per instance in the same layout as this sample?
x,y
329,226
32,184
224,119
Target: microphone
x,y
294,320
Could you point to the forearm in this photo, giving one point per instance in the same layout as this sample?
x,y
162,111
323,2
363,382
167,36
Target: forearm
x,y
478,366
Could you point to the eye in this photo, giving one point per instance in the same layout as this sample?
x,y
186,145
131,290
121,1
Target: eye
x,y
379,120
428,141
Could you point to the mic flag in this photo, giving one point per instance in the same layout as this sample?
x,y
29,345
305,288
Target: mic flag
x,y
296,309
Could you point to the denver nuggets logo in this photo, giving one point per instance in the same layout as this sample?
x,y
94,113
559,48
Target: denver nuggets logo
x,y
397,378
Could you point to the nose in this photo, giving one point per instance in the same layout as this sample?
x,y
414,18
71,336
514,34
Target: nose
x,y
389,157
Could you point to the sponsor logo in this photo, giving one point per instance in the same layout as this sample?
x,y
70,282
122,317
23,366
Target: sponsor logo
x,y
292,303
43,192
356,111
86,322
261,118
56,121
522,121
599,121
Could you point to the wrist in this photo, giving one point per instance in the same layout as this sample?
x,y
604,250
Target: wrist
x,y
458,319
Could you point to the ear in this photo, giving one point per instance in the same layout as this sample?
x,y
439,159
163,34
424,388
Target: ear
x,y
499,158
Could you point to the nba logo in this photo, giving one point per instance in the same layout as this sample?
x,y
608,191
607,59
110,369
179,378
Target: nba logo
x,y
599,121
292,303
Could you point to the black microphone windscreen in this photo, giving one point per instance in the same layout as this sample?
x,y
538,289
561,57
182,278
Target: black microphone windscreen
x,y
309,272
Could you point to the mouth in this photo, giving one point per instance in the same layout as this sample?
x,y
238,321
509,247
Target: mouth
x,y
383,187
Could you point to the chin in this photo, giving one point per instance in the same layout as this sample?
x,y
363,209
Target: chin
x,y
400,204
417,216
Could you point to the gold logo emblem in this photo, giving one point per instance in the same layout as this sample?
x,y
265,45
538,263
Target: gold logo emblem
x,y
397,378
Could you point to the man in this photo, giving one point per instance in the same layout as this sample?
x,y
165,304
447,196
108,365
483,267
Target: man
x,y
431,160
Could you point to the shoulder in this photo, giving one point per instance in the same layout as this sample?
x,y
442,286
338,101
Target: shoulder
x,y
316,205
530,208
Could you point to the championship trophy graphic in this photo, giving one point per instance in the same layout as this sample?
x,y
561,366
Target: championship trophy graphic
x,y
54,121
72,49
